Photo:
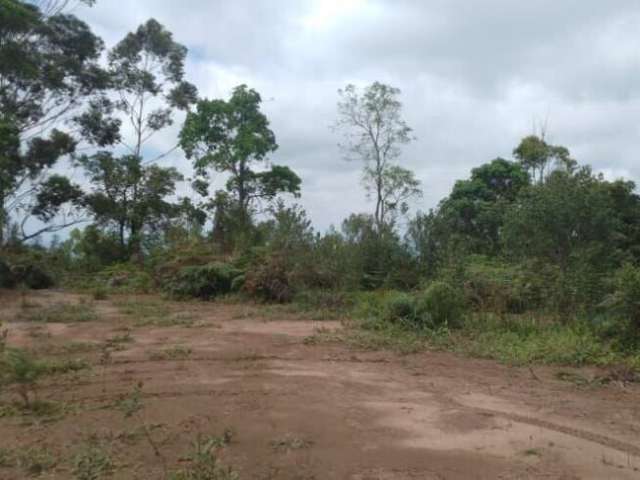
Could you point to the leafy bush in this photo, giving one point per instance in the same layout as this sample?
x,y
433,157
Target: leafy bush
x,y
524,340
268,279
400,307
126,277
441,305
625,299
18,367
237,284
32,276
62,313
499,287
7,278
205,282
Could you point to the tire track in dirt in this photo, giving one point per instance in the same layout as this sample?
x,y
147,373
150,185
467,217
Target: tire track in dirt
x,y
603,440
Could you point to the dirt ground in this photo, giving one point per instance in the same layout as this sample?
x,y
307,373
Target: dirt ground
x,y
306,411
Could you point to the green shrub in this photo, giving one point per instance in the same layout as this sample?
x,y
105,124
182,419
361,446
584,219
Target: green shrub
x,y
625,299
499,287
61,313
268,279
32,276
441,305
525,340
7,278
400,308
237,284
100,292
205,282
19,368
126,277
36,278
29,268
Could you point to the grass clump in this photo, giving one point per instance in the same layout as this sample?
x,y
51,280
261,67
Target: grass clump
x,y
19,368
290,442
36,460
93,462
155,313
441,305
61,313
7,459
178,352
204,462
525,340
203,281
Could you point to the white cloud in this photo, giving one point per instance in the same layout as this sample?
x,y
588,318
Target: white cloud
x,y
474,76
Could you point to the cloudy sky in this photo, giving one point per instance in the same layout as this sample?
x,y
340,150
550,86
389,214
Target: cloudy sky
x,y
475,77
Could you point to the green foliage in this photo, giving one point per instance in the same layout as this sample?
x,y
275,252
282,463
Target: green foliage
x,y
92,249
204,463
20,368
538,157
501,287
374,130
50,68
100,293
441,305
7,278
529,340
267,279
473,214
36,460
26,268
625,300
401,308
375,258
234,137
93,462
129,196
61,313
205,282
178,352
126,278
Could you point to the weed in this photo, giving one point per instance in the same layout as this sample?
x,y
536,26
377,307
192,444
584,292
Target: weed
x,y
178,352
154,313
532,452
204,463
131,406
119,339
143,309
100,292
92,462
175,320
18,367
7,459
61,313
65,366
289,442
8,410
35,461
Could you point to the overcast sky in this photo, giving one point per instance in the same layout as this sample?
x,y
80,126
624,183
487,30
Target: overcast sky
x,y
474,75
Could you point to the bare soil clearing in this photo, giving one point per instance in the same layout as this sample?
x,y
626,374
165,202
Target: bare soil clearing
x,y
304,411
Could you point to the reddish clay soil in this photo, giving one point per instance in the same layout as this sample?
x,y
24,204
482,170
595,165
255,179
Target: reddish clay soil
x,y
323,411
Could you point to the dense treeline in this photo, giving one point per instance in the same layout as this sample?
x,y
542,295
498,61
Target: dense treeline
x,y
538,239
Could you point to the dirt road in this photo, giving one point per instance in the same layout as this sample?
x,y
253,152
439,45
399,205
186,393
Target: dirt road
x,y
318,411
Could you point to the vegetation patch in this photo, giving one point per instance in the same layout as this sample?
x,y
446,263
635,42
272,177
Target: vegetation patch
x,y
61,313
36,461
92,462
178,352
